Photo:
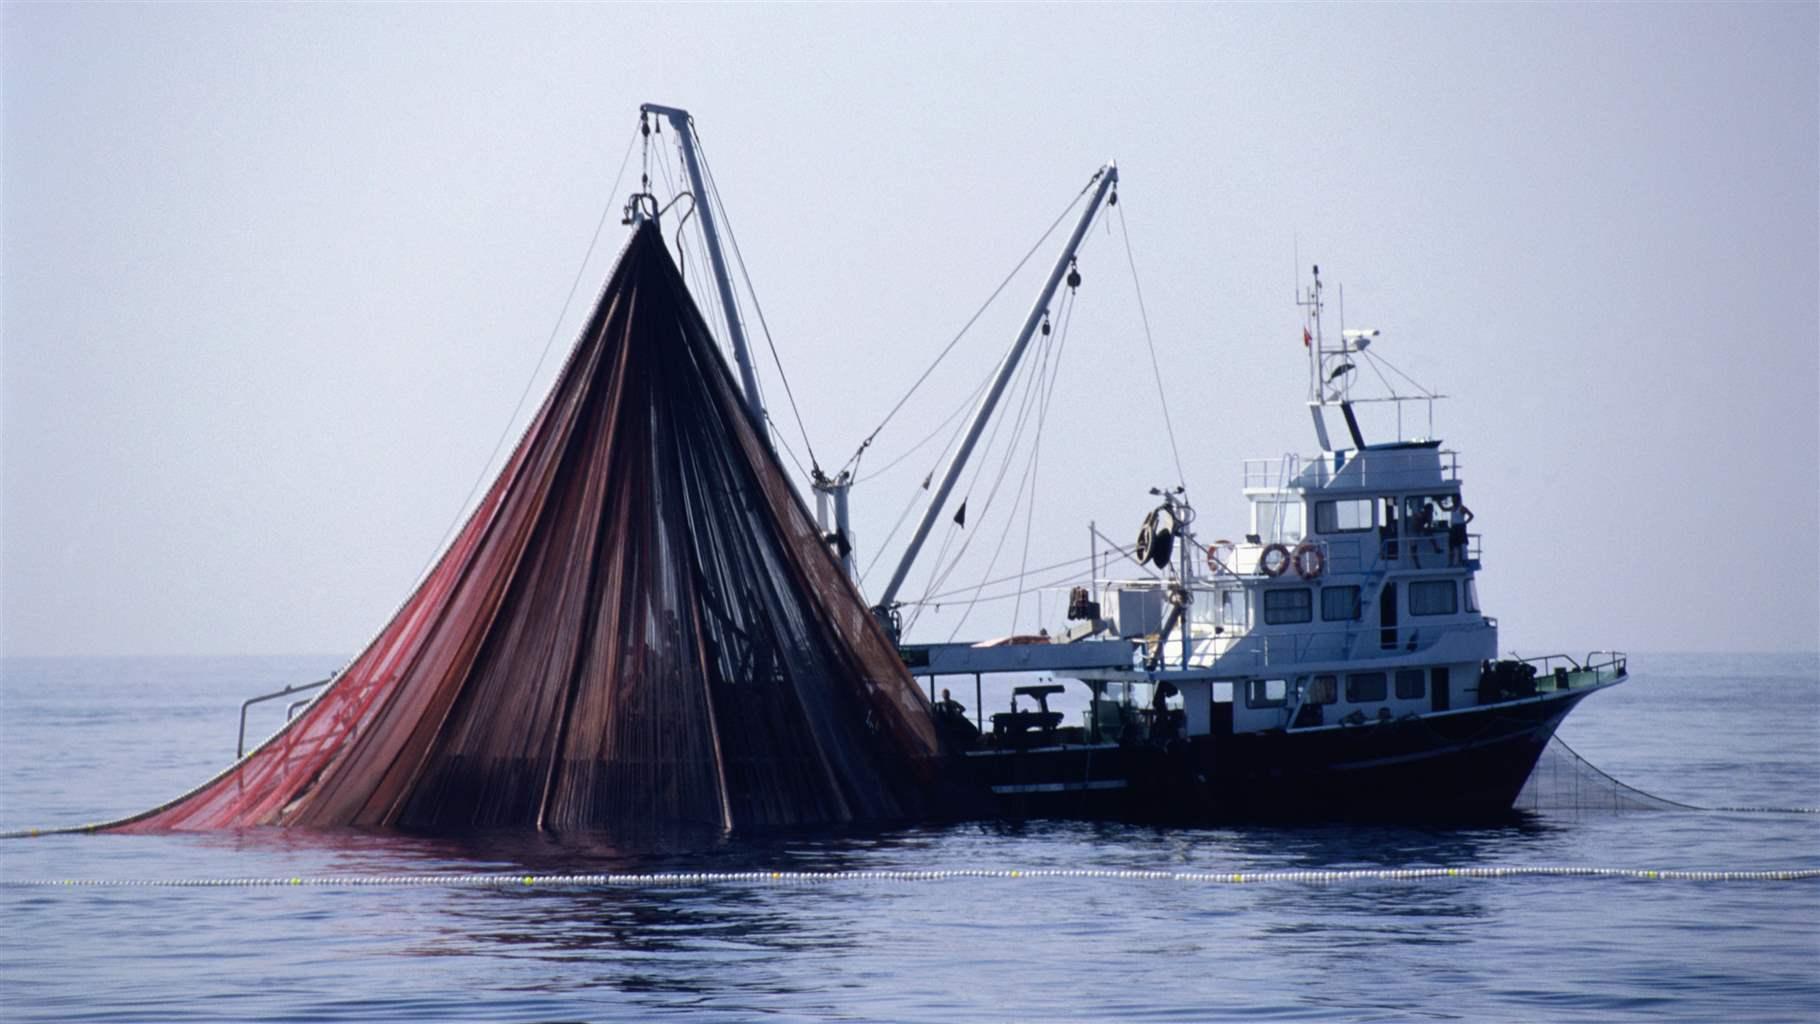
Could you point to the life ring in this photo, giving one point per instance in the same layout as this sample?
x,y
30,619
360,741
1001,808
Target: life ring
x,y
1274,567
1218,554
1309,562
1157,538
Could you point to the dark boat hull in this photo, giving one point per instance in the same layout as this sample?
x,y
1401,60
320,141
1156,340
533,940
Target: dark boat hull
x,y
1465,764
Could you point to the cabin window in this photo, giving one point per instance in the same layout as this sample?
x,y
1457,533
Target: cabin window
x,y
1472,596
1410,684
1222,693
1323,690
1349,516
1340,604
1281,519
1287,606
1433,597
1365,687
1266,693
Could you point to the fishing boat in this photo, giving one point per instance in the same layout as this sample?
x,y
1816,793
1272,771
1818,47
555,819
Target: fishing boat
x,y
641,622
1331,661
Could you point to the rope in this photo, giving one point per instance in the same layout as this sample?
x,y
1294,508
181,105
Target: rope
x,y
972,320
1018,578
555,328
917,494
665,880
1036,448
1373,363
966,404
1373,357
938,571
1032,385
1054,584
739,258
1024,481
1156,369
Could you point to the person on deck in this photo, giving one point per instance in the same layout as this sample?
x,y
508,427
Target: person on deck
x,y
1457,518
1162,720
949,707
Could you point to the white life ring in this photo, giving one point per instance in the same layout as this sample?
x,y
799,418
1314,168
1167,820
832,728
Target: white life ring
x,y
1219,555
1309,562
1274,566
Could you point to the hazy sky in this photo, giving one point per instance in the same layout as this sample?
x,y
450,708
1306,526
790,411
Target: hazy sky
x,y
274,277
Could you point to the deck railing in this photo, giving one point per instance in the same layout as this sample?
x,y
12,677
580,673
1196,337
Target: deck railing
x,y
1390,469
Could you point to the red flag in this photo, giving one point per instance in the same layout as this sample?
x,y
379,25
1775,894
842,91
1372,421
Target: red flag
x,y
1307,338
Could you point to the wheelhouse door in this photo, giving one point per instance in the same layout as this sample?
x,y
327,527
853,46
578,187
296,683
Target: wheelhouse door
x,y
1387,617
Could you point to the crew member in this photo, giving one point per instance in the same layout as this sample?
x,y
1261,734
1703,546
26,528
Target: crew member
x,y
1457,518
948,707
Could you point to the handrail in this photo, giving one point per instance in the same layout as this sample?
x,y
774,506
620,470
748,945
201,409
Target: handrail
x,y
1390,468
240,744
1616,662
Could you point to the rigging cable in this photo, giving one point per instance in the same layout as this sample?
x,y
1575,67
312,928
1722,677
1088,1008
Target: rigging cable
x,y
1042,417
1054,584
910,505
1374,358
1155,367
971,321
938,575
1126,552
1028,380
1064,564
927,477
1010,518
1381,378
685,258
739,258
1042,386
463,512
970,402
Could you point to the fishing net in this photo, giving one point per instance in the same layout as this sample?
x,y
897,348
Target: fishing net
x,y
1562,780
640,623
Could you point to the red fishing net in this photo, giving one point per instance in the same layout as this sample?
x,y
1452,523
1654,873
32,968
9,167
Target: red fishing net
x,y
639,624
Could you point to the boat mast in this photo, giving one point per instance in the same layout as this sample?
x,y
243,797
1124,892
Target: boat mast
x,y
1107,177
704,204
1330,367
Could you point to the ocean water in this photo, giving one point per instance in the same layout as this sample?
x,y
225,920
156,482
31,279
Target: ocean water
x,y
86,739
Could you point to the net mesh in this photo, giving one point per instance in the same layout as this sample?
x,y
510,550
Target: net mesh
x,y
1562,780
639,623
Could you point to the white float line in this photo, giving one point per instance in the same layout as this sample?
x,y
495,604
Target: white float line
x,y
700,878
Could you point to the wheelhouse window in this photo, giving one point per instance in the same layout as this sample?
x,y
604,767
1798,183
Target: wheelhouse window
x,y
1433,597
1266,693
1288,605
1323,690
1350,516
1340,604
1280,519
1365,687
1472,596
1410,684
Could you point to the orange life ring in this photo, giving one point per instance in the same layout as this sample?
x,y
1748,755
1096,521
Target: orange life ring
x,y
1309,562
1216,561
1276,567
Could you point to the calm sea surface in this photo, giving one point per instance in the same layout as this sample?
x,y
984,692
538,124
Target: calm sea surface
x,y
87,739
